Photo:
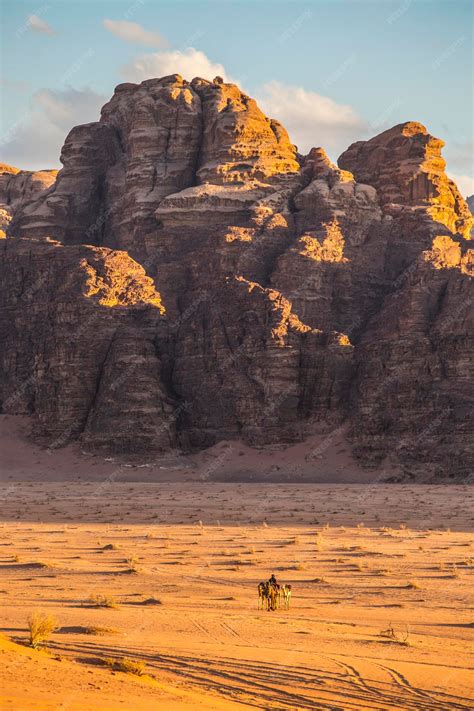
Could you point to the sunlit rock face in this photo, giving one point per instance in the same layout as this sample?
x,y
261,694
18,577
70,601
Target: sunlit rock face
x,y
222,286
406,166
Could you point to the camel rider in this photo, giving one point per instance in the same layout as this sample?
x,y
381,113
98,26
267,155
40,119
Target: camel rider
x,y
272,580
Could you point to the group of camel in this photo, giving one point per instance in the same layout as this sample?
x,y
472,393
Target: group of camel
x,y
272,594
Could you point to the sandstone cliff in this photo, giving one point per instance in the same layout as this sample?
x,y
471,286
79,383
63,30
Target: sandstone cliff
x,y
189,277
18,187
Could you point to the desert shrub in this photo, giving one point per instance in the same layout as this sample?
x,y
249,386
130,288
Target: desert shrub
x,y
41,627
100,630
133,566
127,665
395,636
103,601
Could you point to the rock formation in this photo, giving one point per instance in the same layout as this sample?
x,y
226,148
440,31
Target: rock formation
x,y
189,277
18,187
470,204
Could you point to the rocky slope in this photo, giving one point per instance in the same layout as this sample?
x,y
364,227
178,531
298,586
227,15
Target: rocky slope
x,y
190,277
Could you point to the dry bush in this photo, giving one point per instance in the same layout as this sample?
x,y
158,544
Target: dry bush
x,y
100,630
127,665
103,601
45,564
132,565
110,547
41,627
413,585
398,637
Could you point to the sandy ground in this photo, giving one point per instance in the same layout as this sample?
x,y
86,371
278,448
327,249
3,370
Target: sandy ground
x,y
360,559
321,458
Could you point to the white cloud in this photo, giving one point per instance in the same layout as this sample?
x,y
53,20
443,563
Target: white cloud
x,y
190,63
38,25
133,32
36,139
465,183
312,119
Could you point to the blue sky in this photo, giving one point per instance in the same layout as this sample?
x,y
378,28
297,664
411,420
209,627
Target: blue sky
x,y
333,71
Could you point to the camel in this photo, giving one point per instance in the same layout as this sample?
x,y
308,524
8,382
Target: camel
x,y
273,597
262,594
285,591
268,593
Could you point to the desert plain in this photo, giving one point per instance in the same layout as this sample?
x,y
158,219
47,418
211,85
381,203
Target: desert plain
x,y
380,618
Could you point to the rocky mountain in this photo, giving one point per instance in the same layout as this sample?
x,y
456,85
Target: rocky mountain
x,y
189,277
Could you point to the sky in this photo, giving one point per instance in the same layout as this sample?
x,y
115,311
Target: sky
x,y
332,71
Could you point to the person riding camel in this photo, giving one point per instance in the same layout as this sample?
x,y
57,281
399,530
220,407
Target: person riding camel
x,y
272,580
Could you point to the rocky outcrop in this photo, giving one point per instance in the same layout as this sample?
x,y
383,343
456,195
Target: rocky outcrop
x,y
67,315
470,204
406,166
414,392
334,271
18,187
190,278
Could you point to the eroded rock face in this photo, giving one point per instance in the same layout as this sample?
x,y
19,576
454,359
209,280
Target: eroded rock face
x,y
205,282
406,166
415,385
470,204
67,315
18,187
